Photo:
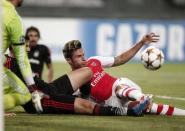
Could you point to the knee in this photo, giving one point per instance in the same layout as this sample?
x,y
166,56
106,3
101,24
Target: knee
x,y
83,106
26,98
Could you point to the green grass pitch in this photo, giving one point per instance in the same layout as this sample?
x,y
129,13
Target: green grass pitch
x,y
167,81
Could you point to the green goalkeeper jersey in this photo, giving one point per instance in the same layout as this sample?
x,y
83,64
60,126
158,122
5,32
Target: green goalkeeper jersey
x,y
13,35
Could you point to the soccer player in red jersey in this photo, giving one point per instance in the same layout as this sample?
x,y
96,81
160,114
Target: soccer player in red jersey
x,y
104,88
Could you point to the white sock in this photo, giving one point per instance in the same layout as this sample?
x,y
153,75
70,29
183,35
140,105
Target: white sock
x,y
178,112
130,93
161,109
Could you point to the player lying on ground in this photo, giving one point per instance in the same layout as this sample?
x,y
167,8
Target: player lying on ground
x,y
110,90
60,98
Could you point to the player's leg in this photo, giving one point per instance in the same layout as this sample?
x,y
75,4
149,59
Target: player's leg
x,y
18,93
60,103
162,109
132,91
65,84
70,104
83,106
128,89
80,77
134,108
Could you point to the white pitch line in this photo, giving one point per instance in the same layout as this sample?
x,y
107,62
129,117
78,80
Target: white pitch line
x,y
169,97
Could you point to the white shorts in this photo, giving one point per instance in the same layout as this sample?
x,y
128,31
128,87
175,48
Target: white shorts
x,y
114,100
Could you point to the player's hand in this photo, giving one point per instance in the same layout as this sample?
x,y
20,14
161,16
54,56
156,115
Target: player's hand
x,y
149,38
36,100
37,96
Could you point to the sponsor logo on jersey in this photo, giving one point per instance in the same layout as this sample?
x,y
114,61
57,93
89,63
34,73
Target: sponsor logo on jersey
x,y
97,76
36,54
34,61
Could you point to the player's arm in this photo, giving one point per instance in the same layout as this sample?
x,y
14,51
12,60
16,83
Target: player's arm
x,y
50,72
18,44
104,60
47,56
126,56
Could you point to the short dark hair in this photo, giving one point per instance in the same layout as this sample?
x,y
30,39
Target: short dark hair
x,y
70,47
32,28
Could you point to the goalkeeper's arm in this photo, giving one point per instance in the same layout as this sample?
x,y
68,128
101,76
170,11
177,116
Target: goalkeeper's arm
x,y
19,49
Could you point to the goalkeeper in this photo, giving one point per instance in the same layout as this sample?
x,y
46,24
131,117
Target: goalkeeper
x,y
16,92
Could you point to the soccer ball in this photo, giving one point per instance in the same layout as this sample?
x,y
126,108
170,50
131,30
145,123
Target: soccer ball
x,y
152,58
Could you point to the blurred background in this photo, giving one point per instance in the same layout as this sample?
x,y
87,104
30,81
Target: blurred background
x,y
108,27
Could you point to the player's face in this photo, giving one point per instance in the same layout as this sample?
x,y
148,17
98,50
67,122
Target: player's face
x,y
33,38
78,59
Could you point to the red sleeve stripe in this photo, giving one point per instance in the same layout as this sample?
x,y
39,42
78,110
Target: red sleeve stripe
x,y
170,111
159,109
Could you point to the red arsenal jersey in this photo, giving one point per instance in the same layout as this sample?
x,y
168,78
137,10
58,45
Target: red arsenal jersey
x,y
101,82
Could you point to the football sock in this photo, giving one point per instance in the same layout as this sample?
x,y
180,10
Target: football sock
x,y
161,109
130,93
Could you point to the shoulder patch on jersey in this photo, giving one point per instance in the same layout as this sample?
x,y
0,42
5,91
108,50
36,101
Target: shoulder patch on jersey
x,y
22,39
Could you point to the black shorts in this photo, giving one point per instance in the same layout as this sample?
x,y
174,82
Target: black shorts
x,y
62,85
58,104
61,100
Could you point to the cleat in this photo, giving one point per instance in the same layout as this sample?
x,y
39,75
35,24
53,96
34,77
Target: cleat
x,y
136,108
150,96
148,109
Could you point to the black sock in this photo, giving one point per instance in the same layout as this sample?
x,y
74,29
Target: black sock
x,y
109,111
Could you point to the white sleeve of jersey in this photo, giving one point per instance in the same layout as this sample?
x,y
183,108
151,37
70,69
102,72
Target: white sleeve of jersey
x,y
105,61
